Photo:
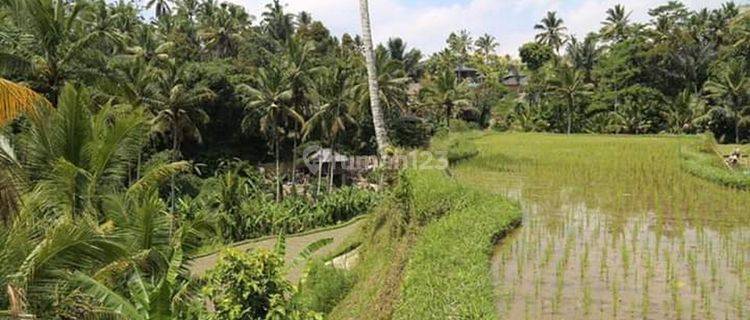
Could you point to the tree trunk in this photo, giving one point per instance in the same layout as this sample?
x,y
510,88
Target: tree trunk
x,y
448,112
737,129
320,175
570,114
276,155
294,160
381,135
172,186
332,165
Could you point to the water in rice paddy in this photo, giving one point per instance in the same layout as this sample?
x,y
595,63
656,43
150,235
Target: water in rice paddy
x,y
613,229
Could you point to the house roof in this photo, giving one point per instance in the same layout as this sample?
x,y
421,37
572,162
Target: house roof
x,y
325,155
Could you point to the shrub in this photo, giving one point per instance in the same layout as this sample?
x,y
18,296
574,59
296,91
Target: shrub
x,y
411,132
247,286
324,287
345,203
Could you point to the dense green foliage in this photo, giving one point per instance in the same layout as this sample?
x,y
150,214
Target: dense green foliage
x,y
251,286
681,72
150,148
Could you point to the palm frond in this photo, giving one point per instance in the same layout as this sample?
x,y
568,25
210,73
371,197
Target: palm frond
x,y
16,99
157,176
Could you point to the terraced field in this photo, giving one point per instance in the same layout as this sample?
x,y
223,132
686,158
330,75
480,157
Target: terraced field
x,y
613,229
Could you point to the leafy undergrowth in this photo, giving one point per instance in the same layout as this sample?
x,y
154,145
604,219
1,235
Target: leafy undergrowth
x,y
701,161
405,254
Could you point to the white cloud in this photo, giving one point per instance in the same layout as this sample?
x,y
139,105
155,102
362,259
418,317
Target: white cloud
x,y
426,26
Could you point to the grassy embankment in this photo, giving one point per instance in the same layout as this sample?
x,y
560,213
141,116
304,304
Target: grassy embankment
x,y
425,253
702,159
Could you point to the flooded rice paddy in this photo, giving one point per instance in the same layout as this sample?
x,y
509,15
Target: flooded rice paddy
x,y
613,229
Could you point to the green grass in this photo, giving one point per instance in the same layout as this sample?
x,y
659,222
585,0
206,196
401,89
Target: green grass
x,y
448,273
428,215
708,166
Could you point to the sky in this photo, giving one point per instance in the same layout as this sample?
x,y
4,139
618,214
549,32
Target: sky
x,y
425,24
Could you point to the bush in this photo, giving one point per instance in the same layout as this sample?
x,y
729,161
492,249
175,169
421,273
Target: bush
x,y
251,286
411,132
246,286
324,287
345,203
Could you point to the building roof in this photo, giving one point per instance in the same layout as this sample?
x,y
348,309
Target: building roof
x,y
325,155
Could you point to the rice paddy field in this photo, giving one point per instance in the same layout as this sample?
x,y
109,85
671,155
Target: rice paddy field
x,y
613,228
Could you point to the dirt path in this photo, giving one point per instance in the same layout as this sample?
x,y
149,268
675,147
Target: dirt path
x,y
294,246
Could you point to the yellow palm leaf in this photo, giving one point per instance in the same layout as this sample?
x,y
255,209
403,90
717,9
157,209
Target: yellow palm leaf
x,y
16,99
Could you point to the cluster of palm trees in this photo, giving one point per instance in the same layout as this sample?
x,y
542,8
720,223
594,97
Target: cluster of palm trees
x,y
684,71
87,229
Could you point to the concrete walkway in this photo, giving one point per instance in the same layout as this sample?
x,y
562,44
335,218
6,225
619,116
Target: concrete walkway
x,y
295,244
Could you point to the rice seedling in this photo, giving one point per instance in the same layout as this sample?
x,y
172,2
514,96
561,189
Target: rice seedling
x,y
638,233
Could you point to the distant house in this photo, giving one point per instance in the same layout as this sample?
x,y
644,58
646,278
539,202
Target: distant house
x,y
472,75
514,80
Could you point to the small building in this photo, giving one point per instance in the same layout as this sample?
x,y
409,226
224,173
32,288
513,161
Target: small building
x,y
514,80
324,158
470,74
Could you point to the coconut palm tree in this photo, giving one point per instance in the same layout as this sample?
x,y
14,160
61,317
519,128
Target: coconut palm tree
x,y
174,105
334,98
731,88
392,84
615,26
584,55
447,93
278,24
53,24
270,98
552,31
569,84
381,135
486,45
681,112
161,7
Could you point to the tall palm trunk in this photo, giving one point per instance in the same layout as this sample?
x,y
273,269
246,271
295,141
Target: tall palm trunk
x,y
294,159
276,155
172,186
377,113
332,165
448,113
570,113
320,174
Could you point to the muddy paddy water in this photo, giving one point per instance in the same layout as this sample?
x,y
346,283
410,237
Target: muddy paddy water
x,y
613,229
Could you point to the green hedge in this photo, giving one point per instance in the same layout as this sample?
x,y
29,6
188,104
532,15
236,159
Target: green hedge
x,y
448,272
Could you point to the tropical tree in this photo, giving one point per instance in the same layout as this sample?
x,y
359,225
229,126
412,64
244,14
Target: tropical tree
x,y
682,111
584,55
175,106
569,84
161,7
334,98
731,89
552,31
270,98
48,61
446,92
615,26
486,45
381,134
